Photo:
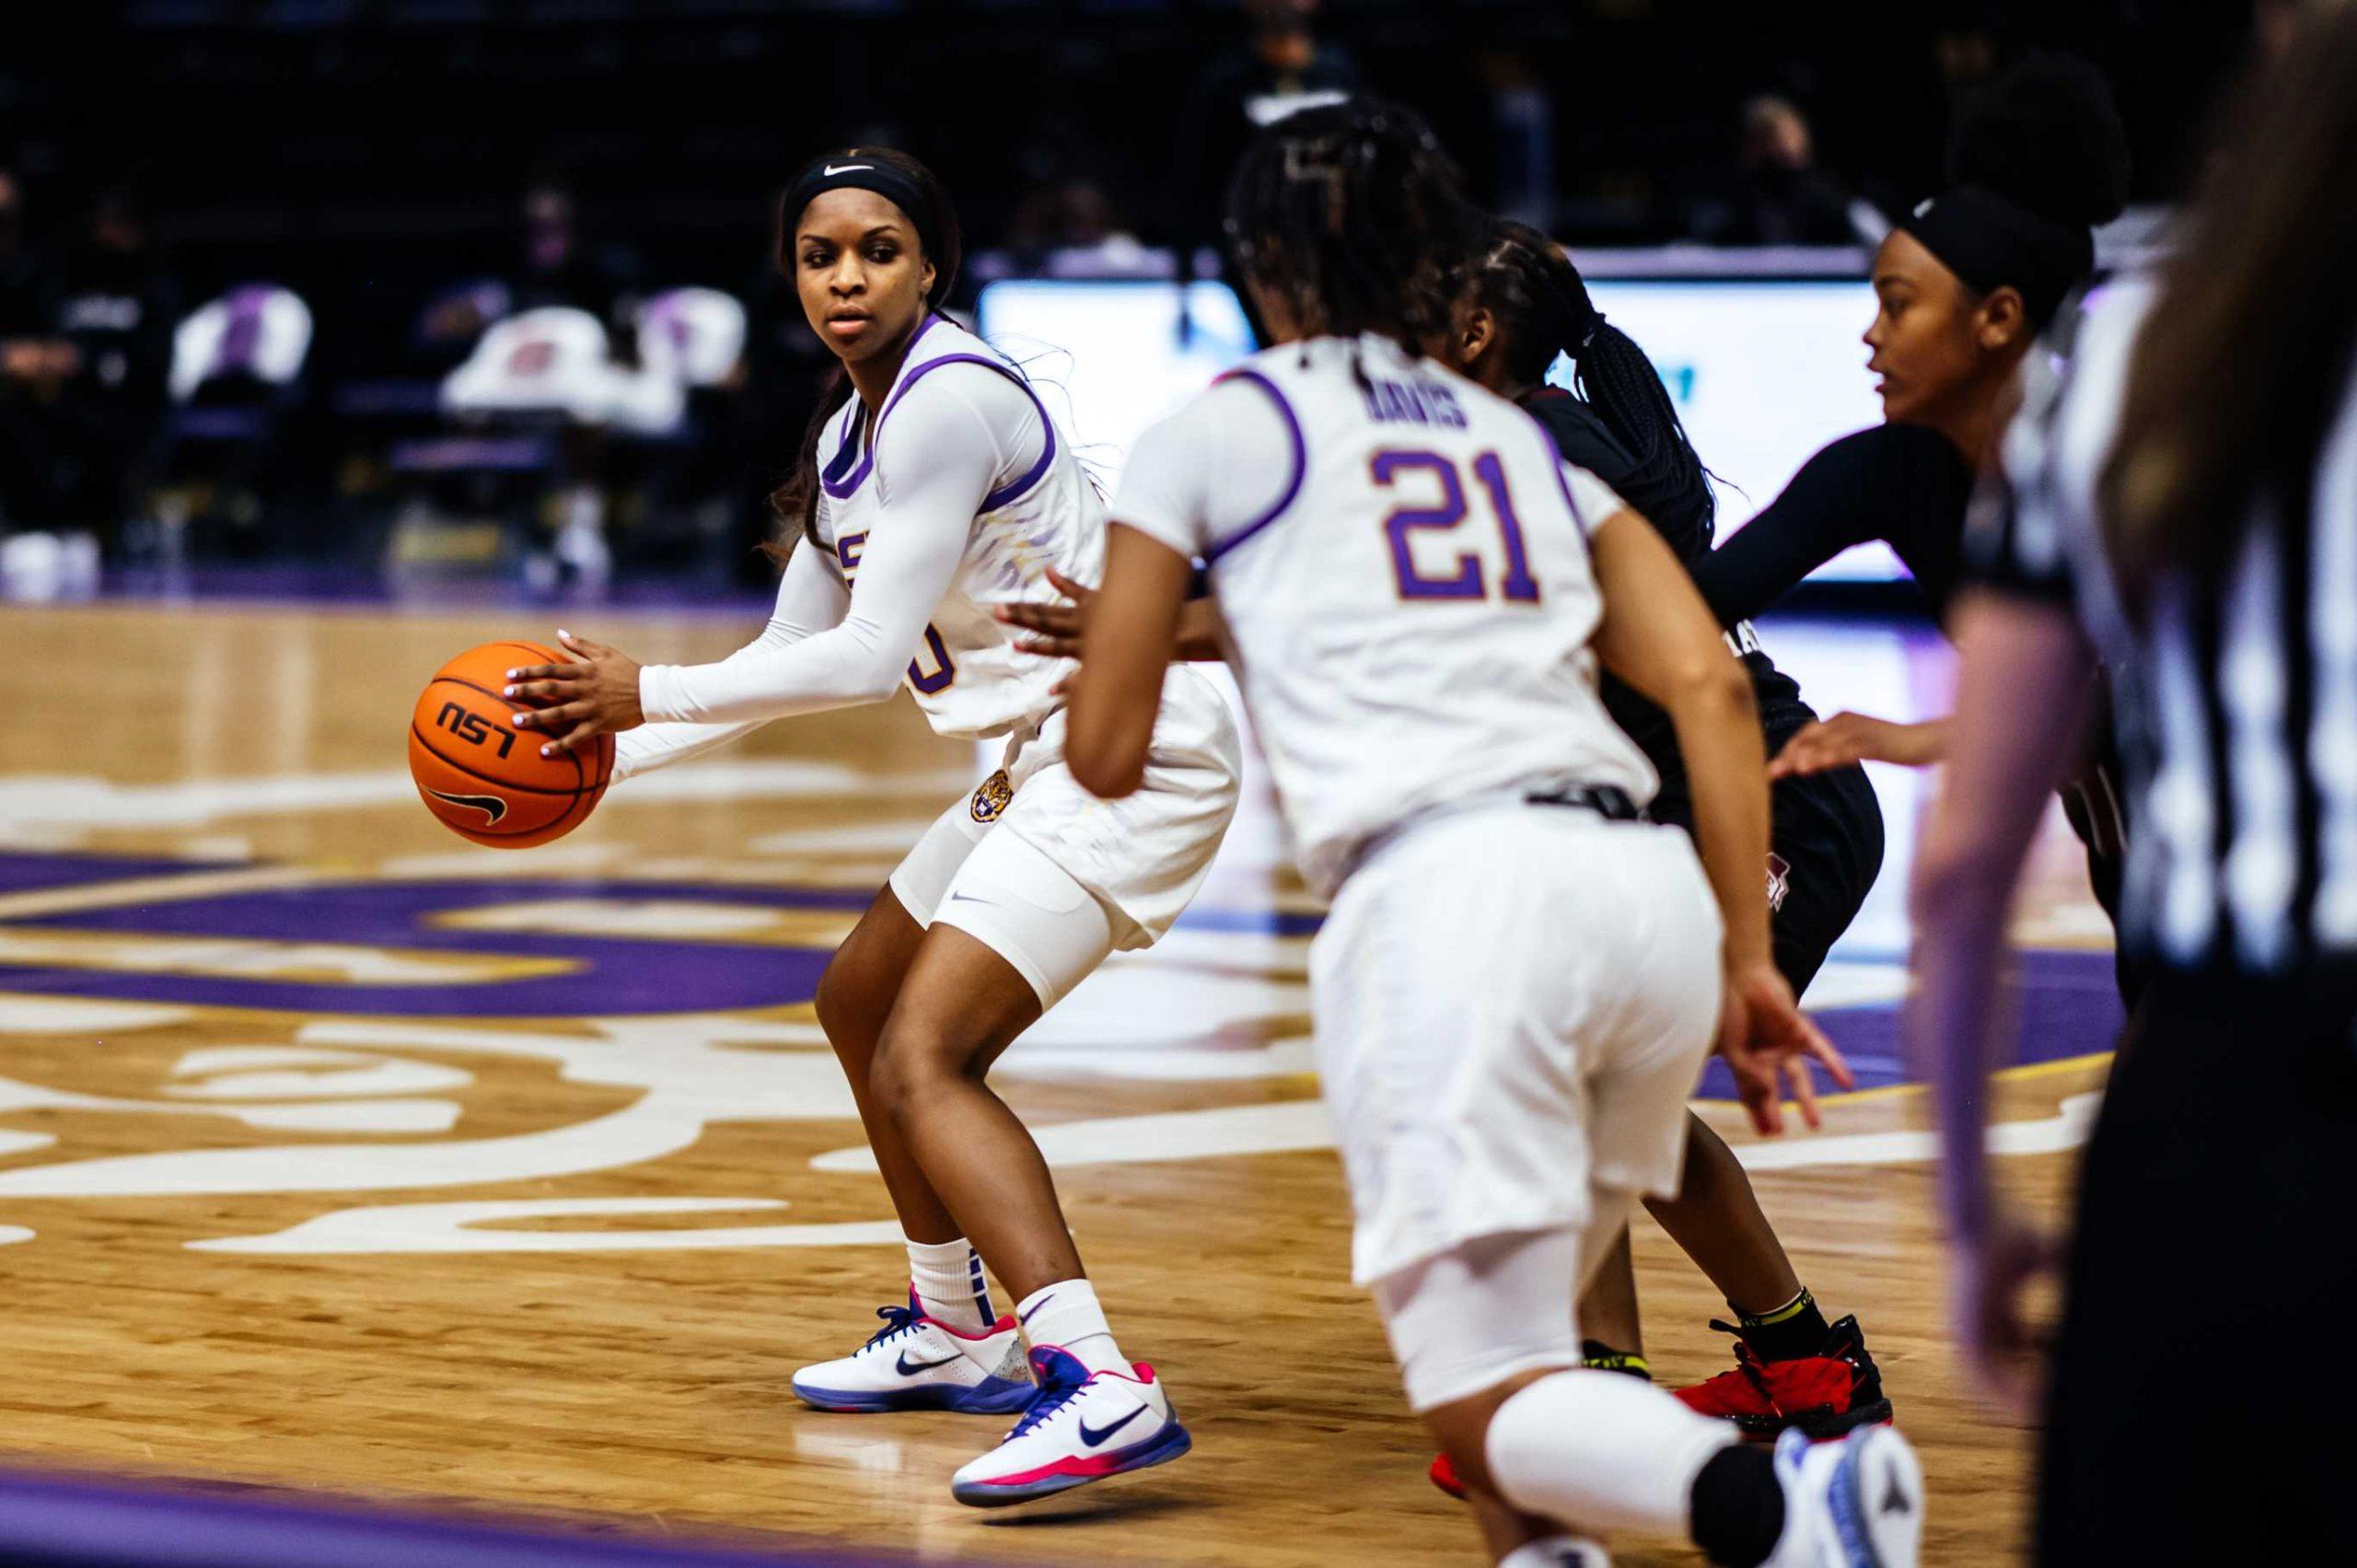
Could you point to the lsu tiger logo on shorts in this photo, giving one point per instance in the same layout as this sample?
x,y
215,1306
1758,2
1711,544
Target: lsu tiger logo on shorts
x,y
990,799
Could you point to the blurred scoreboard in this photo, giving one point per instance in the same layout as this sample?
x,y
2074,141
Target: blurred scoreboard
x,y
1763,371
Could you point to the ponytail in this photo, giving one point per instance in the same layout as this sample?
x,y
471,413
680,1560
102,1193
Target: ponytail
x,y
794,503
1542,304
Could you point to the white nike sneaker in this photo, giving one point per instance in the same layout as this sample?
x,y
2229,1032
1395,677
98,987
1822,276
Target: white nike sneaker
x,y
1857,1503
1081,1426
916,1363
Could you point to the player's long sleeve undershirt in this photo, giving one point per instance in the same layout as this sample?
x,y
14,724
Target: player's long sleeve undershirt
x,y
810,597
1905,484
948,443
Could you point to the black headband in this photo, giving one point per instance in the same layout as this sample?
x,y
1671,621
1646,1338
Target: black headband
x,y
1990,242
856,173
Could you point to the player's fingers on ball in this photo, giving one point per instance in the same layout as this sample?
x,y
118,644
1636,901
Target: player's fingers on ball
x,y
579,732
558,721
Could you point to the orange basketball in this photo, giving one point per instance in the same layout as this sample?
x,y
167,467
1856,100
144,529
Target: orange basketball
x,y
480,775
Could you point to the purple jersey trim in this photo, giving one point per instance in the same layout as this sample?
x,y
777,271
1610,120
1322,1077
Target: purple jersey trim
x,y
1300,466
835,481
1013,490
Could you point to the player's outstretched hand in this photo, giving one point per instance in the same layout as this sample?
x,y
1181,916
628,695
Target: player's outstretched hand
x,y
1845,739
1769,1043
1054,628
594,693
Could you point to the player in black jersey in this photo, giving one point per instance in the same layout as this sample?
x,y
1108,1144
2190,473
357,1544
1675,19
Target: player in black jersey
x,y
1527,304
1964,288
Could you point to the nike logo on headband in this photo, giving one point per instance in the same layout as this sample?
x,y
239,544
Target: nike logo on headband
x,y
833,171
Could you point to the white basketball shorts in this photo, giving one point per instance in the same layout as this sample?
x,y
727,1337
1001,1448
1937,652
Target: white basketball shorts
x,y
1050,877
1513,1004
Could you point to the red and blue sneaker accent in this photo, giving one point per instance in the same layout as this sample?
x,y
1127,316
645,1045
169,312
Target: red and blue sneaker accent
x,y
916,1363
1081,1426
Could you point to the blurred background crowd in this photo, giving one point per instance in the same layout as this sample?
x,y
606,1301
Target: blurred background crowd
x,y
272,272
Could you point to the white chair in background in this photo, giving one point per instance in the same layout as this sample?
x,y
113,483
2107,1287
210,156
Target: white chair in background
x,y
260,330
698,334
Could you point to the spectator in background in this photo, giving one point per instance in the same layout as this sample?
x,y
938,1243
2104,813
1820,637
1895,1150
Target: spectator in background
x,y
1779,196
1280,68
117,310
557,265
34,364
551,262
1070,215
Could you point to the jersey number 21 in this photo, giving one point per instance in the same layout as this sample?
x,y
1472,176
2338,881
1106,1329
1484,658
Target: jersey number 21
x,y
1390,467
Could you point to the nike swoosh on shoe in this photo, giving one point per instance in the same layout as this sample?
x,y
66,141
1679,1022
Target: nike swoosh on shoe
x,y
1093,1438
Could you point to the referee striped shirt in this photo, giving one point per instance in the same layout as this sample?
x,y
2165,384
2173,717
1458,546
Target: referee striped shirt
x,y
2236,702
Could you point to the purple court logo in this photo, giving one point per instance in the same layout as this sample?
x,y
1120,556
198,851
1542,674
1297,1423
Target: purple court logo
x,y
493,947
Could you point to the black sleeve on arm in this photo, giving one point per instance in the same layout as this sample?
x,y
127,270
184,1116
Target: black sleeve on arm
x,y
1841,497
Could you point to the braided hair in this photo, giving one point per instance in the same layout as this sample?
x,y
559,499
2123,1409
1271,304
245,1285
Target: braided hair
x,y
795,502
1353,216
1525,280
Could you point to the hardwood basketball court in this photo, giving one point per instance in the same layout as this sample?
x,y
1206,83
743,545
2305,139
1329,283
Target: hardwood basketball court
x,y
336,1153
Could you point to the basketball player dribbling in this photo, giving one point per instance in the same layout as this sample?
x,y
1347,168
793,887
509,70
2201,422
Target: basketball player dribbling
x,y
1520,977
932,486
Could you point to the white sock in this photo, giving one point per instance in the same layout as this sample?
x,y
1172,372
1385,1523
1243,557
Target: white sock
x,y
1557,1551
947,1276
1066,1315
1603,1451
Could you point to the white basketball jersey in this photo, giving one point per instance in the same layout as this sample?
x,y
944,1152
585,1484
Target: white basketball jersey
x,y
1410,610
968,676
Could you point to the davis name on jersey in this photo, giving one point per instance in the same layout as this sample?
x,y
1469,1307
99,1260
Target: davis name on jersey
x,y
1041,512
1401,560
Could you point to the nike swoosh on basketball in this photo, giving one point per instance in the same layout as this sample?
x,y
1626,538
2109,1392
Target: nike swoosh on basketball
x,y
908,1370
845,168
1099,1436
490,806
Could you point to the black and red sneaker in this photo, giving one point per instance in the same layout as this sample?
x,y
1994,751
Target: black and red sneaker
x,y
1824,1394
